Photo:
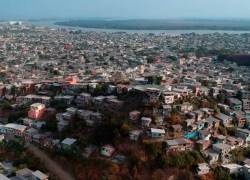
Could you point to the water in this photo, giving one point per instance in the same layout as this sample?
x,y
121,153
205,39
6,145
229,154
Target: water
x,y
168,32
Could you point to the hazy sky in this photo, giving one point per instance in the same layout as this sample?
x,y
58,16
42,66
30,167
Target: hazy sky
x,y
12,9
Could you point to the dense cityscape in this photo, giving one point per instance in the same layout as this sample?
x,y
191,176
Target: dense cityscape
x,y
117,105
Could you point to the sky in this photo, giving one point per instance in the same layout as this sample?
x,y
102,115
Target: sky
x,y
128,9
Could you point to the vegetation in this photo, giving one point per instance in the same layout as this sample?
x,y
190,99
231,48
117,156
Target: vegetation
x,y
238,58
240,154
184,160
50,125
14,116
155,80
58,105
221,174
110,131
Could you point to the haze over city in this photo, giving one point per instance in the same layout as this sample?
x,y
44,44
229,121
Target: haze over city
x,y
145,9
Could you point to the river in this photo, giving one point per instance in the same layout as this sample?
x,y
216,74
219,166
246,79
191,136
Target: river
x,y
167,32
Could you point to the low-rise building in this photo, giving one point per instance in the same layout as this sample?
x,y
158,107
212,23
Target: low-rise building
x,y
36,111
180,144
107,150
203,168
156,133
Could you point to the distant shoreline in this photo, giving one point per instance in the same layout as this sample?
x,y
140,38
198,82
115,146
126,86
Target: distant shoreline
x,y
227,25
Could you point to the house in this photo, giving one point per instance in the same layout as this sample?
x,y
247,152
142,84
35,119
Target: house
x,y
246,171
29,133
34,99
83,100
134,135
36,111
112,103
185,107
67,116
145,121
223,150
204,134
3,177
71,110
15,129
62,124
98,101
65,99
38,175
159,120
83,114
91,118
118,159
180,144
169,97
211,122
199,125
245,94
203,168
235,104
207,112
232,168
203,144
240,118
234,142
175,130
242,133
199,114
134,115
111,89
121,89
94,118
189,122
107,150
203,91
224,119
24,173
247,113
89,150
68,143
166,110
229,92
156,133
30,175
246,104
223,107
2,137
212,156
220,138
38,124
7,167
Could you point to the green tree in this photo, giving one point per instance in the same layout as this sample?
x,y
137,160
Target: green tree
x,y
221,174
50,125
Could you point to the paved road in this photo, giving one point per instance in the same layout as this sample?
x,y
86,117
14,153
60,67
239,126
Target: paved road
x,y
51,165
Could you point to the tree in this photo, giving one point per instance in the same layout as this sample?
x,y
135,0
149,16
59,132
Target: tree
x,y
221,174
15,116
50,125
216,110
5,105
133,161
58,105
239,95
153,149
158,174
105,133
221,98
